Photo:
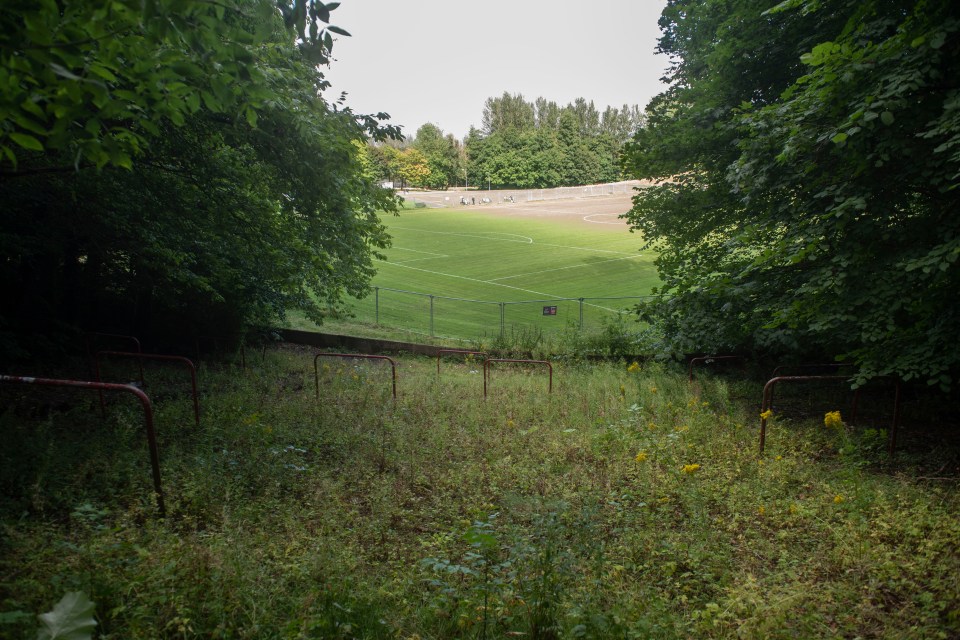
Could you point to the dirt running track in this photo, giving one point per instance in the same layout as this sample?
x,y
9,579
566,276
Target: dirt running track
x,y
601,209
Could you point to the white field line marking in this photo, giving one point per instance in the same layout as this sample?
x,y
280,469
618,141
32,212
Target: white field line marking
x,y
543,212
429,253
598,306
594,215
506,286
413,260
496,284
572,266
431,256
526,239
563,246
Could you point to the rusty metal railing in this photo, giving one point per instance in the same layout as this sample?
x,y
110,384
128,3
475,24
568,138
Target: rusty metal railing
x,y
113,336
108,386
767,404
160,358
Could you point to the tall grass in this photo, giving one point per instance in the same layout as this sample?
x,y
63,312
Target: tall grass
x,y
627,503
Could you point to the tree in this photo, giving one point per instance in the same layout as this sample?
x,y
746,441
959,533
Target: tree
x,y
541,145
175,168
442,156
811,153
547,114
507,112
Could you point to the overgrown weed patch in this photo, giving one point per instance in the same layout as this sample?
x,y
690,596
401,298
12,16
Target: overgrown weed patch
x,y
627,503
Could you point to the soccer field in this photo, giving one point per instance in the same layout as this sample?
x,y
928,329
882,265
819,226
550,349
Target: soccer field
x,y
529,256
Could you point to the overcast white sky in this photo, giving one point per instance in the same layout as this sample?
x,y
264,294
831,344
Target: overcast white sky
x,y
439,60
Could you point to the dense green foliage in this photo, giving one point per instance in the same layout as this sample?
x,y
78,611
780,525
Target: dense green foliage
x,y
574,514
171,167
445,157
520,145
540,144
811,157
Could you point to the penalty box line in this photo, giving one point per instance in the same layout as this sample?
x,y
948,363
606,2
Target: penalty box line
x,y
572,266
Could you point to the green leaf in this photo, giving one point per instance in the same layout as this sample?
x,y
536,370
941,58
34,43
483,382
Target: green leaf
x,y
338,30
480,539
71,619
63,72
103,72
840,138
27,142
886,118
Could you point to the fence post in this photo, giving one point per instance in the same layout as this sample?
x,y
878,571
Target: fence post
x,y
431,316
581,314
502,307
376,304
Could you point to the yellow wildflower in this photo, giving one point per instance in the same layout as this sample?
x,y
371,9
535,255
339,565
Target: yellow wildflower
x,y
778,458
653,389
762,511
792,508
690,468
640,457
623,390
633,368
510,423
766,415
832,419
837,499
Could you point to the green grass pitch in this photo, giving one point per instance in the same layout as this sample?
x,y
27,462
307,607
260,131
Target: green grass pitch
x,y
533,252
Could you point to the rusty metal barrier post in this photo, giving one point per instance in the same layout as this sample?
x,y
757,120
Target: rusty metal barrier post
x,y
116,336
107,386
316,370
440,352
706,359
836,366
486,370
767,402
161,358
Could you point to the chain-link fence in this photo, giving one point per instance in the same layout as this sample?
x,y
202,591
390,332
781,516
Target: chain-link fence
x,y
444,316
